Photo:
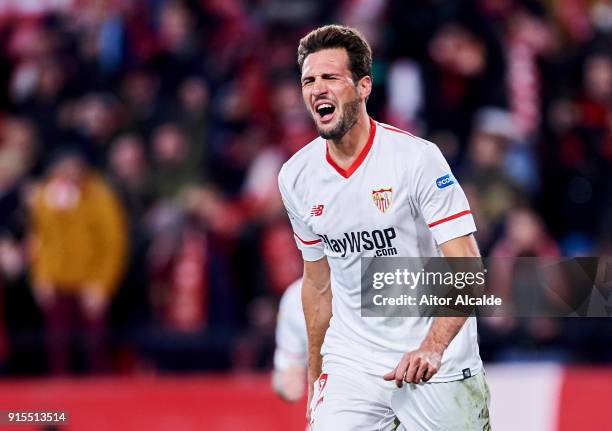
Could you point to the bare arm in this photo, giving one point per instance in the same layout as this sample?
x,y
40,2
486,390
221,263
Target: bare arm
x,y
316,301
444,329
423,363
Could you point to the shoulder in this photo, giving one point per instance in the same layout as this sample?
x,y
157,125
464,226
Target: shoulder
x,y
403,141
98,191
97,184
303,161
37,195
405,148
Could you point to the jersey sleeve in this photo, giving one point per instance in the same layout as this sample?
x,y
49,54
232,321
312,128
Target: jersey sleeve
x,y
291,341
440,198
309,244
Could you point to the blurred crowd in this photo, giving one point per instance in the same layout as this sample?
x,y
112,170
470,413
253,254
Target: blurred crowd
x,y
140,223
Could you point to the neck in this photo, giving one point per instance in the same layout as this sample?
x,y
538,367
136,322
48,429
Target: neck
x,y
345,150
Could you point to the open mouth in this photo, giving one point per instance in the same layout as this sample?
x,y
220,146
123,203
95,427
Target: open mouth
x,y
325,111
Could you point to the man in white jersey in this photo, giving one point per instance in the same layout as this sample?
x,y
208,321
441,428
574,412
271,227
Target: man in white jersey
x,y
289,374
365,189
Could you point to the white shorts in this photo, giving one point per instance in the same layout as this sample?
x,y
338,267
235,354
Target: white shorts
x,y
366,402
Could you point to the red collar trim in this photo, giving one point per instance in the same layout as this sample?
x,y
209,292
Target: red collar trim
x,y
360,158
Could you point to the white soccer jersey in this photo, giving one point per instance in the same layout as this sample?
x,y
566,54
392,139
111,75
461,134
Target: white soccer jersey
x,y
399,198
291,341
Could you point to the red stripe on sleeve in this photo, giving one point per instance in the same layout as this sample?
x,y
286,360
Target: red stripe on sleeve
x,y
395,129
316,241
449,218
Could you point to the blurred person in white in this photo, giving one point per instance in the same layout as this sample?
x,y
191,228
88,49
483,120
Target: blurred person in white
x,y
361,178
289,374
79,248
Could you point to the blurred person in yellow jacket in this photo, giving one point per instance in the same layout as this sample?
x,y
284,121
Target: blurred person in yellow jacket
x,y
79,246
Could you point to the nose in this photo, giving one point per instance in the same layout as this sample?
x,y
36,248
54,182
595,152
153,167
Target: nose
x,y
318,87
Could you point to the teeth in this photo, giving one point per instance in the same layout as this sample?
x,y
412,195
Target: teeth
x,y
324,106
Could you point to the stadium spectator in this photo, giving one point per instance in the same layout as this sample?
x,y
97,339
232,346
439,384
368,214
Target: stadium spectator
x,y
175,163
129,173
78,254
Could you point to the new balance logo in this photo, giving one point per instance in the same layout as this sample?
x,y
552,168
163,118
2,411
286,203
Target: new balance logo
x,y
316,210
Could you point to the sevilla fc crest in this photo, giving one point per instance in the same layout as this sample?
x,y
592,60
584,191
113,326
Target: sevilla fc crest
x,y
382,198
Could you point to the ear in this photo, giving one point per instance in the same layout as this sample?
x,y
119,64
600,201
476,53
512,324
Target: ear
x,y
364,87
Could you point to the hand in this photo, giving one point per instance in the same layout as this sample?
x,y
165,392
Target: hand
x,y
93,300
420,364
290,383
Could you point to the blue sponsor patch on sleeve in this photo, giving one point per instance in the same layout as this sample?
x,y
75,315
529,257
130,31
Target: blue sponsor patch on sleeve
x,y
445,181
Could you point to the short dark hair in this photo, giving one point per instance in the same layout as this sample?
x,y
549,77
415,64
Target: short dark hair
x,y
339,36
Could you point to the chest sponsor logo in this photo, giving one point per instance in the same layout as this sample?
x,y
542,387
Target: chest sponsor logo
x,y
317,210
382,198
379,240
445,181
